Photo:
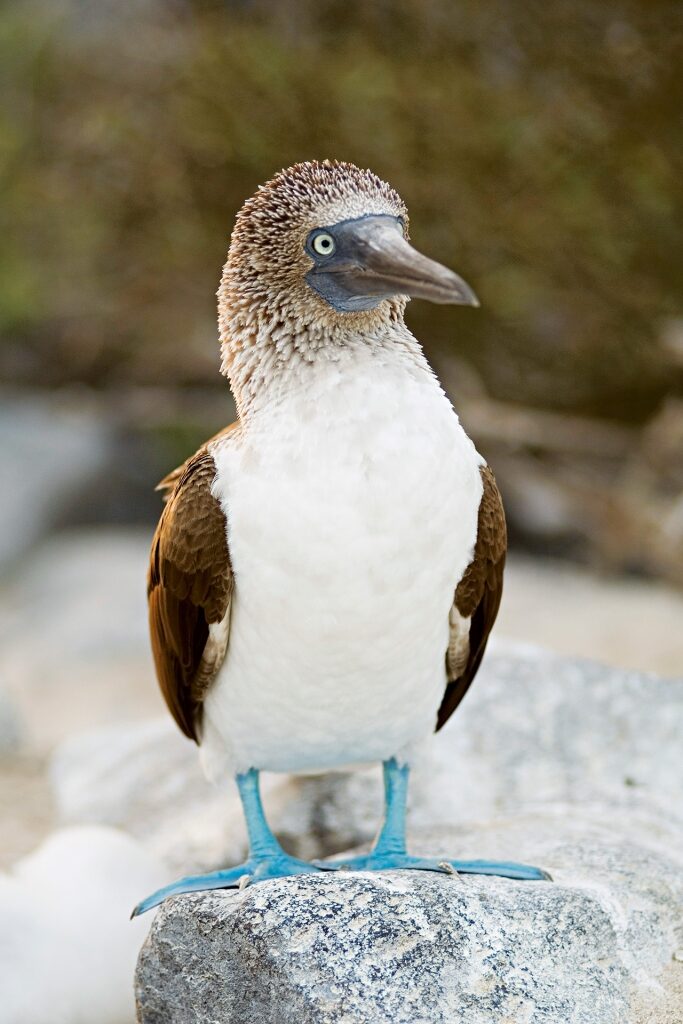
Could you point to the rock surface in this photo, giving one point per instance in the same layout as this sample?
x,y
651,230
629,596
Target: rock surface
x,y
414,948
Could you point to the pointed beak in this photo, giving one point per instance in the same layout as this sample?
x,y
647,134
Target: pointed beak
x,y
373,261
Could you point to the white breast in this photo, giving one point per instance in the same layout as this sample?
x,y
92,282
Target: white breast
x,y
352,513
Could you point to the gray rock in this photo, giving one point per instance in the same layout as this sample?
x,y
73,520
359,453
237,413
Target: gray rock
x,y
146,778
559,762
539,728
11,730
48,450
414,948
535,729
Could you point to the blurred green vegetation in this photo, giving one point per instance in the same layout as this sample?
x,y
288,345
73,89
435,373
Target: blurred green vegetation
x,y
538,146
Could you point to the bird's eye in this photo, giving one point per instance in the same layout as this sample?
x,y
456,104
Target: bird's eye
x,y
323,243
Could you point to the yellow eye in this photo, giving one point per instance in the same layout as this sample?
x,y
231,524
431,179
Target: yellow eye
x,y
323,244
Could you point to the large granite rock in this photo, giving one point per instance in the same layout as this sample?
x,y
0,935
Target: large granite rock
x,y
416,948
558,762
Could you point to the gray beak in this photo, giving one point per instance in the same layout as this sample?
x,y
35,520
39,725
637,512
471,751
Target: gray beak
x,y
373,261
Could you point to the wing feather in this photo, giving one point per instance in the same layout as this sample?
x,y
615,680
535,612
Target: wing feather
x,y
477,599
189,591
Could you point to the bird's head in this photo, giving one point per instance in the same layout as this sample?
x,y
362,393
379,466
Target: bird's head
x,y
322,251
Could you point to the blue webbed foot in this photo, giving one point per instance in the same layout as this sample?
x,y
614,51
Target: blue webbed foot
x,y
502,868
389,851
402,861
255,869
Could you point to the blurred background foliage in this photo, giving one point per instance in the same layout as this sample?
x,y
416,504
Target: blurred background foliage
x,y
538,146
535,144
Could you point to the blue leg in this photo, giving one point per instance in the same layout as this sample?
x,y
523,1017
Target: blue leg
x,y
266,857
389,851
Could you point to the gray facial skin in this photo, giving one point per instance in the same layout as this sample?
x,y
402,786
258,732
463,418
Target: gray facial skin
x,y
372,261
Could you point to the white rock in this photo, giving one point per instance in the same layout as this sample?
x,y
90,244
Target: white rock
x,y
67,948
417,948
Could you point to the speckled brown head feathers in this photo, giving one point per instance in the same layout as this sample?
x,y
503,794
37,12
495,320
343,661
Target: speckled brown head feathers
x,y
267,246
264,302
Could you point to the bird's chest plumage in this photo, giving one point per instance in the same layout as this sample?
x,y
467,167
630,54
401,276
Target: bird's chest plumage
x,y
352,515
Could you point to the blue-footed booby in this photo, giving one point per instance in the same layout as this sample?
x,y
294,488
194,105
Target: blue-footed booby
x,y
326,571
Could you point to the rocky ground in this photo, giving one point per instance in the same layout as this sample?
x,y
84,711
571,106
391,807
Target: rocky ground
x,y
407,947
556,748
558,762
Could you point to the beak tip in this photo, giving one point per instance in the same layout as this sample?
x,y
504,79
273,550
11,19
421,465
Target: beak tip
x,y
461,292
465,296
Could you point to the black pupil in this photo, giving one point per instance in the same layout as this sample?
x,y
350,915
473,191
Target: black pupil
x,y
325,243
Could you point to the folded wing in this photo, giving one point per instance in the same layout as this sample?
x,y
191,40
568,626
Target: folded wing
x,y
189,591
477,599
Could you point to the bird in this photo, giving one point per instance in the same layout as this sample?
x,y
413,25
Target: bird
x,y
326,570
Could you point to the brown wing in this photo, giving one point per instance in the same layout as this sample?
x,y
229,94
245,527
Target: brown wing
x,y
477,599
189,590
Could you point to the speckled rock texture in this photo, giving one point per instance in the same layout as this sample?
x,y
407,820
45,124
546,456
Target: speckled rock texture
x,y
418,948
